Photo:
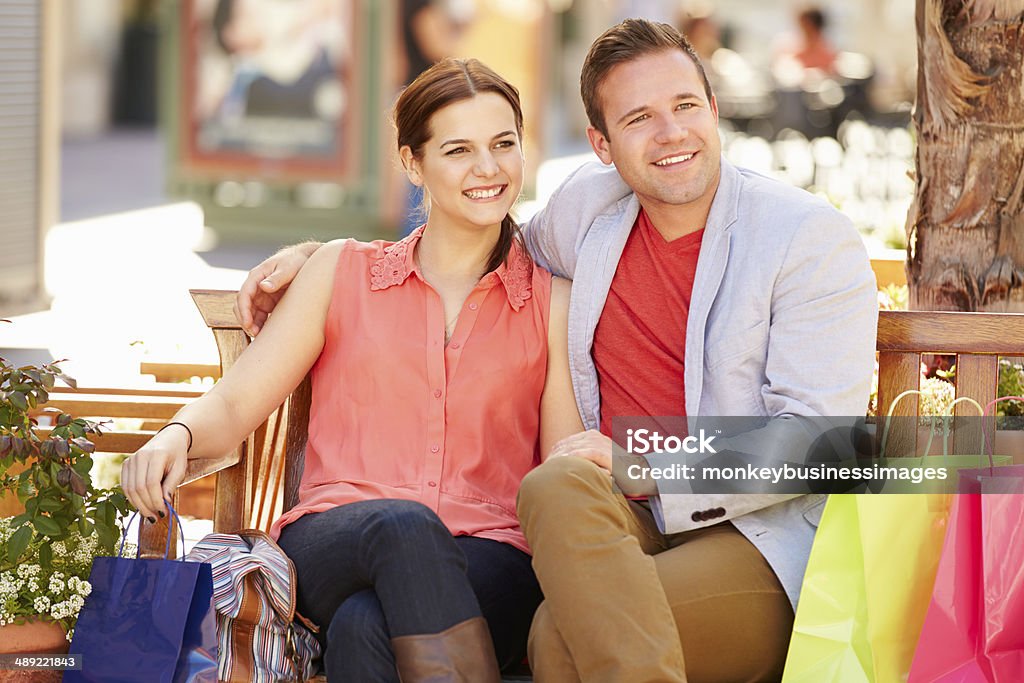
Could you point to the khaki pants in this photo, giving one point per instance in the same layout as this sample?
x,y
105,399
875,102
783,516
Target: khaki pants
x,y
624,603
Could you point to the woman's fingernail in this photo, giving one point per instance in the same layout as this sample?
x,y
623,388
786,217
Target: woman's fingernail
x,y
161,513
152,520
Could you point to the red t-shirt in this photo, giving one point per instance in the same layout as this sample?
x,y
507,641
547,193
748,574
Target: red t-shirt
x,y
640,340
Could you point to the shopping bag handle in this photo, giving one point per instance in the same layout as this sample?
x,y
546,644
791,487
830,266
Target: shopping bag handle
x,y
167,545
931,429
947,419
990,446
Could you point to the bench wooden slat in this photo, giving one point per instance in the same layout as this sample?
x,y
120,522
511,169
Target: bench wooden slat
x,y
111,442
942,332
159,389
977,377
107,405
898,372
179,372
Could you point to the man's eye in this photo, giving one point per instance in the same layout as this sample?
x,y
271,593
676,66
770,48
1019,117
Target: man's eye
x,y
457,150
686,105
639,118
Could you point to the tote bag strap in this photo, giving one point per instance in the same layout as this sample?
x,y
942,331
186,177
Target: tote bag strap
x,y
167,545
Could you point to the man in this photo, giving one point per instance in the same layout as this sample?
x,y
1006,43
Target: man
x,y
698,289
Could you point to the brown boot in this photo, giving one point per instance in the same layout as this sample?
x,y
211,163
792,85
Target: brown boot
x,y
462,654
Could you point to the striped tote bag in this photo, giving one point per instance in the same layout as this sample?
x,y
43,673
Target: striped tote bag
x,y
262,639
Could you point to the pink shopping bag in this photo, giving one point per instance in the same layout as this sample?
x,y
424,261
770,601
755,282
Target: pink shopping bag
x,y
974,629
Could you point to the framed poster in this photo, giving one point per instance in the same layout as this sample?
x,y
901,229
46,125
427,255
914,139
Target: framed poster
x,y
269,88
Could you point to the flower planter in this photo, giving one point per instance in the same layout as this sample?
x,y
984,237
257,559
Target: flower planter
x,y
32,637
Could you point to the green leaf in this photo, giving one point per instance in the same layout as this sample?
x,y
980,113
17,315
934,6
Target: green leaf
x,y
46,526
50,505
17,543
63,420
107,537
18,400
84,464
45,556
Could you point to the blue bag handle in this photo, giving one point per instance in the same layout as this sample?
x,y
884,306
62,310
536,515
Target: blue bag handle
x,y
167,545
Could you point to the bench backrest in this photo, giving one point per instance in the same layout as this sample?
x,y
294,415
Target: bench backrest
x,y
266,478
265,481
978,340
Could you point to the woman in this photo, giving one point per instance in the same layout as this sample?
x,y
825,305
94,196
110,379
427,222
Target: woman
x,y
440,371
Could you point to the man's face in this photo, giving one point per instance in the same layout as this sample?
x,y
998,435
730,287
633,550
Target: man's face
x,y
662,131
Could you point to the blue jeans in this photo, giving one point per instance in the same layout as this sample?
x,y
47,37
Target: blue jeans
x,y
380,569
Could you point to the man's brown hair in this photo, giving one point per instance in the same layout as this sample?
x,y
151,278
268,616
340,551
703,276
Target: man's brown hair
x,y
624,42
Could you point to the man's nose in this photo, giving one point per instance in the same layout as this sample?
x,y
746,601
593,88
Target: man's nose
x,y
671,131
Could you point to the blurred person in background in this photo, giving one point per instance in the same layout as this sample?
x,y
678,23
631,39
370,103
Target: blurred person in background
x,y
813,49
439,373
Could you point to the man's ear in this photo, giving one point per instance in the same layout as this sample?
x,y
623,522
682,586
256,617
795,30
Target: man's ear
x,y
599,143
411,165
714,107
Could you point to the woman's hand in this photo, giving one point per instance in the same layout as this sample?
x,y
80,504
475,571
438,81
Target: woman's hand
x,y
150,475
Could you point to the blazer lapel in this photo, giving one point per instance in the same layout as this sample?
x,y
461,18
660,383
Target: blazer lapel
x,y
598,258
711,263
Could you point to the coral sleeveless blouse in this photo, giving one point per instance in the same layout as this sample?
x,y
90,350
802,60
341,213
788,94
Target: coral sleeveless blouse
x,y
397,414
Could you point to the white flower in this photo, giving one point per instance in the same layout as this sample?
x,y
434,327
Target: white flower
x,y
56,584
84,588
41,604
28,570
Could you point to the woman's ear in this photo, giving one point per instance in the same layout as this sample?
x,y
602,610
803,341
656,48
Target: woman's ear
x,y
411,165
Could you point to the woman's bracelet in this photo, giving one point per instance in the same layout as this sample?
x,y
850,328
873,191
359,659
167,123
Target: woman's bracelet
x,y
180,424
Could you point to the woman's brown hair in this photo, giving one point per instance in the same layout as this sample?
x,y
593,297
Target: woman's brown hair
x,y
447,82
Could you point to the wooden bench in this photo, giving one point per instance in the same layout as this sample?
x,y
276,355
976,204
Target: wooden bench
x,y
262,475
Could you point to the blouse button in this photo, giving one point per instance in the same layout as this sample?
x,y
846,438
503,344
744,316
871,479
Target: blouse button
x,y
432,483
454,345
435,448
473,307
437,393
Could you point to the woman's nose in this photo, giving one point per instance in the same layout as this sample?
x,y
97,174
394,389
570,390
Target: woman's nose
x,y
486,166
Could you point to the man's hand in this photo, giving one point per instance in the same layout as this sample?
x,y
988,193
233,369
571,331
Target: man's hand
x,y
590,445
267,283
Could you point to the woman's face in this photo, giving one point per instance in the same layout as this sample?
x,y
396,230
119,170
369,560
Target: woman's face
x,y
472,165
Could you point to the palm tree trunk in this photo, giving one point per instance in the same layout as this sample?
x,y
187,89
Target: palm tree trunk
x,y
965,228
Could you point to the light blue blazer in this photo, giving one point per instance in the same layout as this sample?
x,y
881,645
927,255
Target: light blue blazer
x,y
782,322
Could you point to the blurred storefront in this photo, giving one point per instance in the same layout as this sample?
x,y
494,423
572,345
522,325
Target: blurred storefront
x,y
28,147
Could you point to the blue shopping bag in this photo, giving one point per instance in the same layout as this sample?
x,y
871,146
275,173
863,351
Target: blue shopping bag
x,y
147,621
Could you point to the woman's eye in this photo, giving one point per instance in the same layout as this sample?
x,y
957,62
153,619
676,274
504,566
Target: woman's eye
x,y
505,144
